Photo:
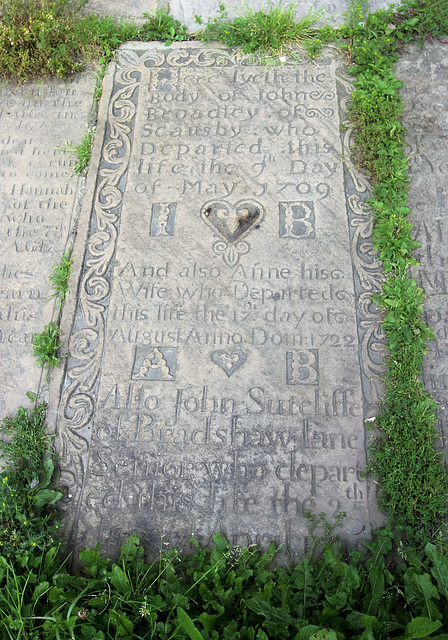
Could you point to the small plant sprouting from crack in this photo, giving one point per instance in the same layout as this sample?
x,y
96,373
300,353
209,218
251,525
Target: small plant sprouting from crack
x,y
59,279
46,346
82,152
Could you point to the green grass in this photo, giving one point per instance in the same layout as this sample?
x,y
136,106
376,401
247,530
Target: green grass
x,y
226,592
42,38
59,279
268,31
46,346
26,495
429,18
37,38
160,25
82,152
411,474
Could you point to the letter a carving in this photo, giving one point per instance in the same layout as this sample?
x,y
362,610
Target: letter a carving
x,y
154,363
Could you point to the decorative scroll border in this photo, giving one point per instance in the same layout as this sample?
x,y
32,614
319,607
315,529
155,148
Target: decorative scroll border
x,y
87,340
86,343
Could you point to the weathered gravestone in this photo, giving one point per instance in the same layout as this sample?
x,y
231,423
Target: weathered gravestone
x,y
38,194
224,350
122,9
425,99
185,11
334,11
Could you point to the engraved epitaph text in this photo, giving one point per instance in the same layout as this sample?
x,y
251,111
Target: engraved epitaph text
x,y
215,379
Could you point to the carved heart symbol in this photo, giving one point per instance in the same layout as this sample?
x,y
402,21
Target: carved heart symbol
x,y
232,221
230,362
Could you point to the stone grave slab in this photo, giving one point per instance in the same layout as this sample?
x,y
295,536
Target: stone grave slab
x,y
224,353
425,99
39,195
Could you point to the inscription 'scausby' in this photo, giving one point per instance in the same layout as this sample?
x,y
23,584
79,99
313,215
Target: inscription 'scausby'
x,y
230,389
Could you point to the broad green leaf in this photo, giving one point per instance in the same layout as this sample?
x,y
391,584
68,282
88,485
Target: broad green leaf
x,y
324,634
188,624
88,632
208,620
48,470
205,593
440,568
120,580
47,496
367,634
40,590
23,559
179,600
262,608
231,631
307,632
221,543
380,546
60,595
238,585
421,627
428,591
93,560
64,580
122,623
338,600
49,557
361,621
377,589
90,557
130,550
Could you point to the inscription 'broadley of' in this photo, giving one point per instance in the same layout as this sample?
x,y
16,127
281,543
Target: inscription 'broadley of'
x,y
217,366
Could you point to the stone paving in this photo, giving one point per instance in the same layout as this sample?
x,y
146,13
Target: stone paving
x,y
224,354
39,198
185,11
425,99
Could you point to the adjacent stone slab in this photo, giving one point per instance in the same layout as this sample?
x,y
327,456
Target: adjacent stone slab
x,y
38,195
425,98
224,350
334,11
126,9
186,11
